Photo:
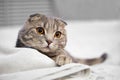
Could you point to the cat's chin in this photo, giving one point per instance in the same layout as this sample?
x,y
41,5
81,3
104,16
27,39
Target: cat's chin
x,y
47,50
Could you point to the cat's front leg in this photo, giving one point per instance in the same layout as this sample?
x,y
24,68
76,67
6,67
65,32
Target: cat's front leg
x,y
62,58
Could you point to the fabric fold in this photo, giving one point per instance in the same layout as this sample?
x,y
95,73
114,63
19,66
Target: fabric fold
x,y
63,72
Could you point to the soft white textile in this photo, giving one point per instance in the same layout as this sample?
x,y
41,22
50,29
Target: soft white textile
x,y
50,73
21,59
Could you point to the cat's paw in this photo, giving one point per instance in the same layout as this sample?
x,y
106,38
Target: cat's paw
x,y
62,60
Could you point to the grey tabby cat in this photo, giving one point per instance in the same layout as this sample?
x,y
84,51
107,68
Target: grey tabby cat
x,y
48,36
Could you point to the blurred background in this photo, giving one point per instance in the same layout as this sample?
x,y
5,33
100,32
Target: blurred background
x,y
96,22
15,12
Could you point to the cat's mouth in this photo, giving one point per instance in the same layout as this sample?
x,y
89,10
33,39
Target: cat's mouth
x,y
49,49
46,49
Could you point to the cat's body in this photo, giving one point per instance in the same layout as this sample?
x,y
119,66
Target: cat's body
x,y
48,36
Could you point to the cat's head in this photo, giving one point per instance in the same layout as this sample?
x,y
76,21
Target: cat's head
x,y
46,34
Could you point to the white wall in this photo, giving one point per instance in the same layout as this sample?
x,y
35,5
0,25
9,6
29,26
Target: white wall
x,y
15,12
88,9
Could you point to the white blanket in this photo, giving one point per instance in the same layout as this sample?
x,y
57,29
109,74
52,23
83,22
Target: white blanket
x,y
29,64
94,38
20,59
69,71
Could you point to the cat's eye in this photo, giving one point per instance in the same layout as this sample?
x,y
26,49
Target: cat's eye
x,y
58,34
40,30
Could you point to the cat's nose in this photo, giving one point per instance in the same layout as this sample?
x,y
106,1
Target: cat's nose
x,y
49,42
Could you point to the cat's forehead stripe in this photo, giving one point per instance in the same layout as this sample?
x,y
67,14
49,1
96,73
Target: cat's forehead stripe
x,y
50,25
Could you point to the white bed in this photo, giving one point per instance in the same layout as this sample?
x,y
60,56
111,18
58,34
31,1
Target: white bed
x,y
86,39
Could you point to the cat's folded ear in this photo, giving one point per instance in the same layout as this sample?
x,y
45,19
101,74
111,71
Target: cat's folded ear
x,y
35,17
60,22
64,22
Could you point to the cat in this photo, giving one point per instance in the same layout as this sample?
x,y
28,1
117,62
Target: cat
x,y
48,36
